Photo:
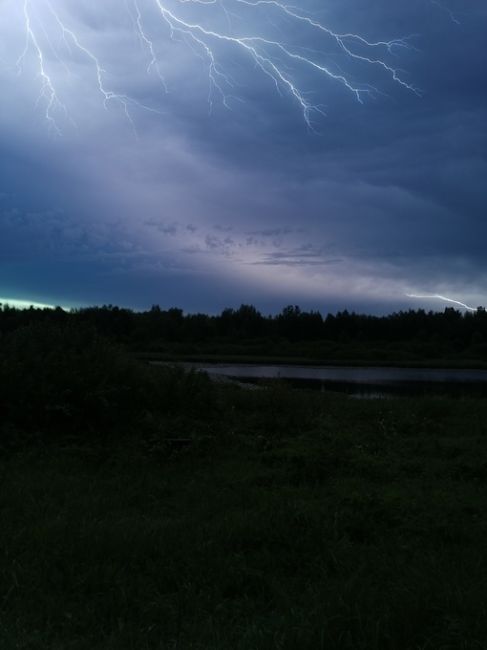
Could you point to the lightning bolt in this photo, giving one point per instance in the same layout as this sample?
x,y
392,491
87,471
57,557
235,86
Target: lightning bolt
x,y
437,296
48,91
71,39
450,13
285,65
153,63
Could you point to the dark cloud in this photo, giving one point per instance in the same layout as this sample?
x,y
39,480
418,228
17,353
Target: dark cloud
x,y
246,202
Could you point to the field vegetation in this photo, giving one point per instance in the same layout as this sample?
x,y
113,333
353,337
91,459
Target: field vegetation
x,y
147,508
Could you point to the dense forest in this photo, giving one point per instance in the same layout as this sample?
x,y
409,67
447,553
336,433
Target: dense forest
x,y
414,336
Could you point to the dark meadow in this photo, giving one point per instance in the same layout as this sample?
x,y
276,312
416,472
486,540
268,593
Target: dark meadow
x,y
145,505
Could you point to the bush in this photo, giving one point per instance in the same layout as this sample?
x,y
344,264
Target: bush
x,y
53,376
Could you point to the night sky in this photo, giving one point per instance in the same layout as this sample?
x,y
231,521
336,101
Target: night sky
x,y
305,173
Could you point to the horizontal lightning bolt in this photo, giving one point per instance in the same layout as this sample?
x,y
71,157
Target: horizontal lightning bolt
x,y
437,296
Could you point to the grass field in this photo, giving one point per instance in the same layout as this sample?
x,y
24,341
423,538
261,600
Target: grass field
x,y
292,520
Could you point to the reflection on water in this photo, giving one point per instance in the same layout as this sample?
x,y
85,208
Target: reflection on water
x,y
367,383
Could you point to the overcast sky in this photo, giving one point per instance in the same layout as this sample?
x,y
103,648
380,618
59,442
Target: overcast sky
x,y
313,170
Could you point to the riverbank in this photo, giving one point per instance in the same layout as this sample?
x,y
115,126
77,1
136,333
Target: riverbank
x,y
363,382
359,362
287,520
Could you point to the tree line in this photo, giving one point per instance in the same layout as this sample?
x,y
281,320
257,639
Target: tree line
x,y
450,328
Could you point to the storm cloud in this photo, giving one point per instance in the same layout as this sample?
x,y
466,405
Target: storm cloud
x,y
205,199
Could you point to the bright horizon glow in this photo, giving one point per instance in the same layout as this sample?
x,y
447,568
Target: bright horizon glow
x,y
26,304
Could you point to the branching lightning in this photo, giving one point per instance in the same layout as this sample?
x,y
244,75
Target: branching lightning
x,y
48,91
437,296
145,39
286,64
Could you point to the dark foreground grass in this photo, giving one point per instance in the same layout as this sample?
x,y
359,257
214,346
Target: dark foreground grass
x,y
293,521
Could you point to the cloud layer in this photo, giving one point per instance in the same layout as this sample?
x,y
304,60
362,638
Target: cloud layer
x,y
177,204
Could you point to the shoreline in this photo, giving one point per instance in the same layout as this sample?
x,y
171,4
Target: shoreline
x,y
214,359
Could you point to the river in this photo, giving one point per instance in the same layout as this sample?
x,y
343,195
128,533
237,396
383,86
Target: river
x,y
360,381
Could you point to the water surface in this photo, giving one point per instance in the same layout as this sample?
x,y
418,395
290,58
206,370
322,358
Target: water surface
x,y
360,381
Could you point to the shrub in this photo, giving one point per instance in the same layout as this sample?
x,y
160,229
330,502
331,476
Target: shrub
x,y
53,375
